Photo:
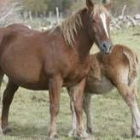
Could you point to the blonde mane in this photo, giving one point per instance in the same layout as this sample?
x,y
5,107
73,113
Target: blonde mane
x,y
70,27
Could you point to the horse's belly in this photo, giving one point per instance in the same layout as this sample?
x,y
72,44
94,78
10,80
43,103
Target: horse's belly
x,y
99,86
23,69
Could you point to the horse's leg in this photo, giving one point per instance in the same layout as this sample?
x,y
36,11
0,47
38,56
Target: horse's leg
x,y
1,78
86,106
77,97
7,99
136,118
129,95
55,85
72,132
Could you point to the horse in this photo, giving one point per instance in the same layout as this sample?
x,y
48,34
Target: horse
x,y
55,58
117,70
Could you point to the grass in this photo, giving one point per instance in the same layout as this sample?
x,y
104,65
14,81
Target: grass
x,y
29,114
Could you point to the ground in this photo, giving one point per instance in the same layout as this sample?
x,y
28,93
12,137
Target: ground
x,y
29,113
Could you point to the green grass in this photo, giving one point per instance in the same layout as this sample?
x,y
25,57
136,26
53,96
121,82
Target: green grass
x,y
29,114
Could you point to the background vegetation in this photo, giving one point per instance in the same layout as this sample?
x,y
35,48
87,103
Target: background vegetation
x,y
42,13
67,6
39,7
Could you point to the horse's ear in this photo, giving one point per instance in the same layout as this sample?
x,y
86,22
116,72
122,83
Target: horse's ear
x,y
108,5
89,4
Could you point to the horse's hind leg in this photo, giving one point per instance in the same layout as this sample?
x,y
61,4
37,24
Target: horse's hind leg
x,y
7,99
129,95
136,118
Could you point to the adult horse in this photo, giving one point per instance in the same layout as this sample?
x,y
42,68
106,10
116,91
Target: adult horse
x,y
52,59
117,70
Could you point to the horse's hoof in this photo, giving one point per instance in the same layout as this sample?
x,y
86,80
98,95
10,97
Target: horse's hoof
x,y
83,135
7,131
90,130
136,133
72,133
54,137
1,132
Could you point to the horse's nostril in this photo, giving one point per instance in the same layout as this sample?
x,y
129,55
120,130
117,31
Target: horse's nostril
x,y
104,45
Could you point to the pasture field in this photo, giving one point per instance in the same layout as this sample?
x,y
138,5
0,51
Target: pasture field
x,y
29,114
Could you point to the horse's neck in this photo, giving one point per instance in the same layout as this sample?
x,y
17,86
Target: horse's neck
x,y
83,44
83,39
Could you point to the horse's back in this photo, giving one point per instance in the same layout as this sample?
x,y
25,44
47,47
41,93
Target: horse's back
x,y
21,55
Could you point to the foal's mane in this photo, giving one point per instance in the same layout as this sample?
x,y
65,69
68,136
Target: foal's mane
x,y
73,24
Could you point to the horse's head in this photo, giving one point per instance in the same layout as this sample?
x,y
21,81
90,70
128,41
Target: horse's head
x,y
99,25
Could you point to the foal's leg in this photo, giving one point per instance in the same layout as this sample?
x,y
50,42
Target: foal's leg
x,y
55,85
86,106
129,95
136,118
7,99
77,93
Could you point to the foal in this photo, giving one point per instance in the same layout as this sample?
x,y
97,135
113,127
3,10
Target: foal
x,y
116,70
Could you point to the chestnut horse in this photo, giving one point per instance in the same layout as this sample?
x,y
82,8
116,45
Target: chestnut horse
x,y
117,70
52,59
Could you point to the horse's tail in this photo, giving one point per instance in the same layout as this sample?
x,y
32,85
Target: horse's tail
x,y
133,65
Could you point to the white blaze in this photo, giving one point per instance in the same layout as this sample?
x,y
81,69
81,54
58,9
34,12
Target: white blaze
x,y
103,18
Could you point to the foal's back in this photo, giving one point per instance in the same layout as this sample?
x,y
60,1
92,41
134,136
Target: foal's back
x,y
110,70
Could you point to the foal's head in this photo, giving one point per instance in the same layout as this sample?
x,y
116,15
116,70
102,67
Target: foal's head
x,y
98,25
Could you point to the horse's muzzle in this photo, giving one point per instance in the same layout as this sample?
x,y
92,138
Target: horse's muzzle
x,y
106,47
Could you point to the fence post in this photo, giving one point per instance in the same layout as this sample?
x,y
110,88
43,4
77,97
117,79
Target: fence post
x,y
57,14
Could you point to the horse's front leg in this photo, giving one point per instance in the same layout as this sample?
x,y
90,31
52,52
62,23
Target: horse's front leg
x,y
72,132
77,94
86,106
55,85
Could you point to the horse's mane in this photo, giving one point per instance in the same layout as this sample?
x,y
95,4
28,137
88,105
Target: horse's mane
x,y
70,27
73,24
